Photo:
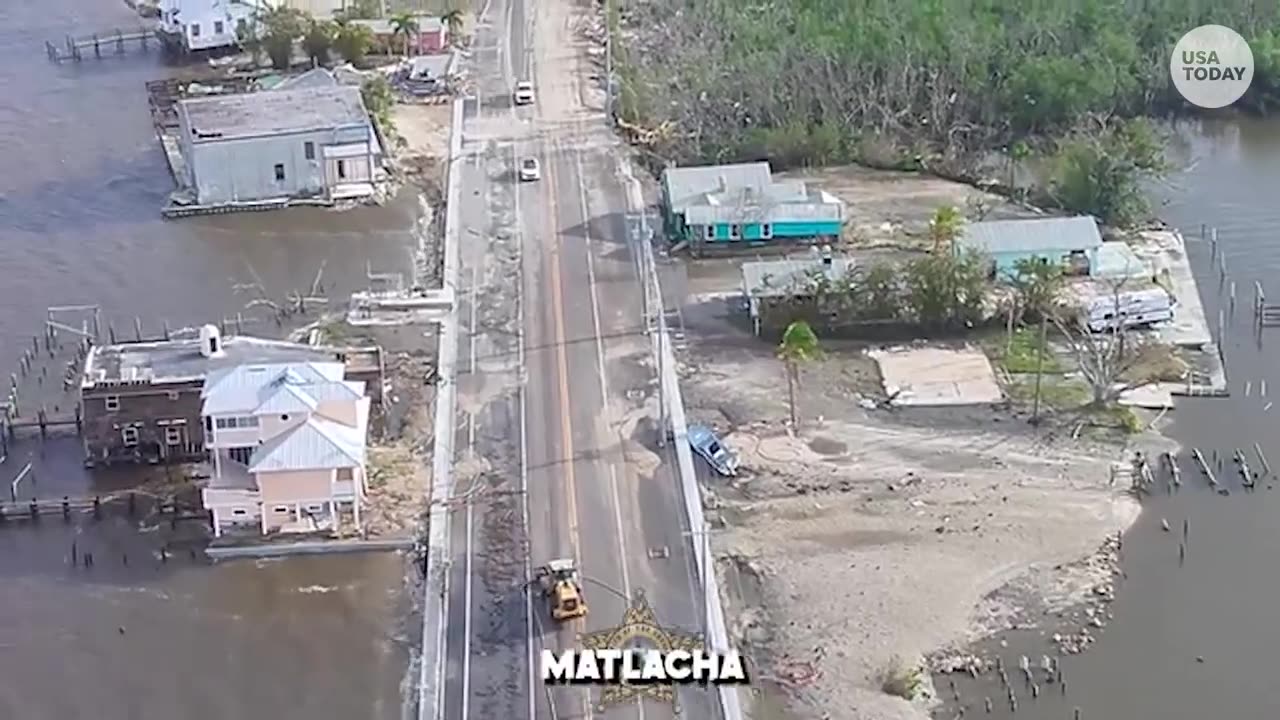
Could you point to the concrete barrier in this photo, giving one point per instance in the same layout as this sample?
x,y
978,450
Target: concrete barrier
x,y
690,494
308,547
435,586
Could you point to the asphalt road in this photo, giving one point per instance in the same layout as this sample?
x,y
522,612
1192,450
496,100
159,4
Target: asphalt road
x,y
557,390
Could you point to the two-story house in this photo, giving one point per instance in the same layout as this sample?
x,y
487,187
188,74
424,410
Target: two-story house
x,y
287,445
205,25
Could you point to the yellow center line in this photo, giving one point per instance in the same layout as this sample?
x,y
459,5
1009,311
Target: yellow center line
x,y
562,370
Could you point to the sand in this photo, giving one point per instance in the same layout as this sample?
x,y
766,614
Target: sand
x,y
872,535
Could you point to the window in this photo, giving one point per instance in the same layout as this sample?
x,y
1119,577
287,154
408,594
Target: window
x,y
280,509
279,173
208,423
195,30
309,149
217,27
112,402
173,436
173,394
766,231
711,232
226,423
248,421
239,512
242,27
129,435
342,169
735,232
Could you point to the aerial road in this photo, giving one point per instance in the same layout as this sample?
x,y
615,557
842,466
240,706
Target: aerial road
x,y
554,441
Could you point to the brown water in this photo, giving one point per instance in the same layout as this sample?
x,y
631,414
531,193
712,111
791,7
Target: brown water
x,y
1196,640
80,194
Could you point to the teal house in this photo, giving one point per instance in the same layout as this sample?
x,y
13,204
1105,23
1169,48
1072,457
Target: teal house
x,y
724,204
1073,243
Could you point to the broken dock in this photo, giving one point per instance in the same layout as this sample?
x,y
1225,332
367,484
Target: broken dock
x,y
99,45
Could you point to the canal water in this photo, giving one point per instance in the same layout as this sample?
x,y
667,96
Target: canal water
x,y
1197,638
81,187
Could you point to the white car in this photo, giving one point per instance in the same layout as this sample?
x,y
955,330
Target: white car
x,y
530,170
524,93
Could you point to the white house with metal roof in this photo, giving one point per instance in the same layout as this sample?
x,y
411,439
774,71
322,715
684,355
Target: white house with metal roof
x,y
742,202
287,443
293,142
789,277
1071,242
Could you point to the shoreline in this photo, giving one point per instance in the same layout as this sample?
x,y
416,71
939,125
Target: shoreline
x,y
1042,562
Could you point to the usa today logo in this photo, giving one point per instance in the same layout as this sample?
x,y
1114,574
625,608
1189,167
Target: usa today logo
x,y
1212,66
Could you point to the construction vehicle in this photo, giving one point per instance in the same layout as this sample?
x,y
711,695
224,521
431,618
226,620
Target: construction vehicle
x,y
563,589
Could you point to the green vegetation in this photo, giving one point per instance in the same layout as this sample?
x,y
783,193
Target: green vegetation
x,y
926,84
1101,172
1056,392
452,19
281,27
404,25
352,41
1037,289
936,291
902,680
1020,352
318,40
379,99
799,345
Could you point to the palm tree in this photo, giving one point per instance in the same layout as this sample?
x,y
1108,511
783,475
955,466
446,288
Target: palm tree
x,y
945,227
404,24
453,19
799,345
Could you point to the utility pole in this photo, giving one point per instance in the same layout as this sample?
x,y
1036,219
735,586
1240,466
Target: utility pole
x,y
1044,330
608,59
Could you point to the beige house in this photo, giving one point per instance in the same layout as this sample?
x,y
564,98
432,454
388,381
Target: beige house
x,y
287,444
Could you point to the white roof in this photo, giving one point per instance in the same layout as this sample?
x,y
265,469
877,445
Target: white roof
x,y
317,444
276,388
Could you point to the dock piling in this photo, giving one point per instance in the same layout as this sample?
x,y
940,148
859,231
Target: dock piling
x,y
1204,467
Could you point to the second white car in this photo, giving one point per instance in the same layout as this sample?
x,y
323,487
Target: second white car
x,y
530,170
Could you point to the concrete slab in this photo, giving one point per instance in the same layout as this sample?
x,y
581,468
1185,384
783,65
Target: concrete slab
x,y
1156,396
929,376
1166,252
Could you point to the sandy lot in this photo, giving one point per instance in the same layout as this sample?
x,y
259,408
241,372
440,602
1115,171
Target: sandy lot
x,y
399,454
424,127
879,534
895,207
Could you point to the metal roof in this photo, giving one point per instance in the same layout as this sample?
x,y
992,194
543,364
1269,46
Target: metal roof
x,y
317,444
272,112
313,78
773,278
1032,235
685,185
277,389
244,388
764,213
180,360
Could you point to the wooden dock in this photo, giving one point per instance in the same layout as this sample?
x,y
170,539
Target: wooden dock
x,y
113,43
66,506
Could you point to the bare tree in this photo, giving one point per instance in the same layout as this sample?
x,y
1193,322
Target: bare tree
x,y
1116,359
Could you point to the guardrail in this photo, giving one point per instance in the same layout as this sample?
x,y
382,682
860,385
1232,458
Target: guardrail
x,y
435,585
691,495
